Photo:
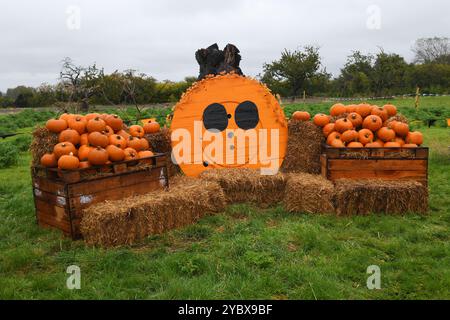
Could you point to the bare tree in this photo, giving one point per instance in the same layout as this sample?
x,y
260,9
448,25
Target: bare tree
x,y
81,83
432,50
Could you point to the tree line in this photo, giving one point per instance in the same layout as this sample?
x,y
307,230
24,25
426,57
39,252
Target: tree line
x,y
295,73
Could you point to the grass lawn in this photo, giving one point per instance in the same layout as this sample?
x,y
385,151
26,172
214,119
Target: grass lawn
x,y
243,253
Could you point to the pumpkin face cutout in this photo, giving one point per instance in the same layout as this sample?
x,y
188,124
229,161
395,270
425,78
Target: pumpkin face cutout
x,y
228,121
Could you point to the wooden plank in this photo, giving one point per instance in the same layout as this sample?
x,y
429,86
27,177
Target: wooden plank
x,y
44,217
323,165
112,182
375,174
58,213
78,203
51,198
381,164
44,184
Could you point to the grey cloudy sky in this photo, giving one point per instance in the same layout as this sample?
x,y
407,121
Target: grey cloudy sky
x,y
159,38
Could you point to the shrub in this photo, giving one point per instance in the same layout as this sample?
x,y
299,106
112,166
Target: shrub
x,y
9,155
22,142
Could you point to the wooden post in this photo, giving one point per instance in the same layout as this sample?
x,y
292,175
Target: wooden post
x,y
416,103
304,96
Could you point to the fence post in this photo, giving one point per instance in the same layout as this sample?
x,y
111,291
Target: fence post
x,y
416,103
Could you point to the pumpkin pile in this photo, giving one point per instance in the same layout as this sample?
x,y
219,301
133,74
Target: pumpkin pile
x,y
95,140
364,125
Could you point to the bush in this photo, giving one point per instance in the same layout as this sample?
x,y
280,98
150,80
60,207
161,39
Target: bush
x,y
9,154
22,142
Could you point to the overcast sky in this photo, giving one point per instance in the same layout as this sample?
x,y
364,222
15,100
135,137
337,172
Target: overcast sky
x,y
160,37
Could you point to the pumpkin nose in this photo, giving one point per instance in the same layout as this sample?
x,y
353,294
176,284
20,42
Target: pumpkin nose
x,y
215,117
246,115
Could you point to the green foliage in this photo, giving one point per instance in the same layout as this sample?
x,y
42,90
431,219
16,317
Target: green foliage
x,y
9,155
11,123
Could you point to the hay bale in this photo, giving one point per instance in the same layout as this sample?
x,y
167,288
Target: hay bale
x,y
361,197
127,221
308,193
160,142
304,148
43,142
247,185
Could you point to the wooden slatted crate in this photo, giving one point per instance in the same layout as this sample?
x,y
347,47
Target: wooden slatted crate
x,y
375,163
61,196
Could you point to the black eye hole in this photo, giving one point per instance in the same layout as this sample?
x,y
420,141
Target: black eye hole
x,y
246,116
215,117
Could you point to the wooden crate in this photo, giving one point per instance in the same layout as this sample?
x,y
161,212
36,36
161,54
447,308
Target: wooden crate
x,y
375,163
60,196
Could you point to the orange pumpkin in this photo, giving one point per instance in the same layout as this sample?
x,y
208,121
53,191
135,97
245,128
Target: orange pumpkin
x,y
115,122
342,125
91,116
365,136
363,109
145,154
400,141
83,152
108,131
84,164
98,139
135,143
355,144
350,108
375,144
301,116
68,162
123,134
414,137
373,123
96,125
400,128
78,124
56,125
130,154
321,120
337,109
410,145
84,139
327,129
152,127
144,144
333,136
392,144
386,134
337,143
118,141
115,154
98,156
69,135
49,160
349,135
391,109
377,111
64,148
136,131
66,117
355,119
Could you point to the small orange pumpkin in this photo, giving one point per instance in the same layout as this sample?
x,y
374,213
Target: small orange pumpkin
x,y
327,129
152,127
69,135
400,128
118,141
66,117
78,124
83,152
355,119
377,111
49,160
390,109
365,136
337,143
349,135
372,122
399,140
410,145
64,148
91,116
375,144
342,125
363,109
333,136
130,154
123,134
84,164
56,125
355,144
135,143
84,139
115,154
68,162
108,131
115,122
136,131
98,139
350,108
386,134
145,154
414,137
98,156
321,120
144,144
96,125
301,116
392,144
337,109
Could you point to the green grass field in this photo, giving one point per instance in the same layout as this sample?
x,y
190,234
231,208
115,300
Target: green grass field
x,y
243,253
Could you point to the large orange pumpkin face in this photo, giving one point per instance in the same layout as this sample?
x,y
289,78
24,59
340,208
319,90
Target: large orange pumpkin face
x,y
228,121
